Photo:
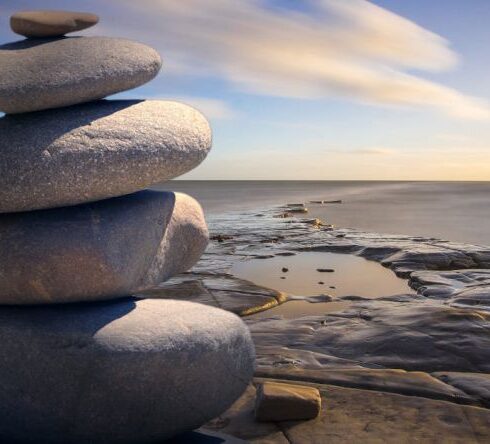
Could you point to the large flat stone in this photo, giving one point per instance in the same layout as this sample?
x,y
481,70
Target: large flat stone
x,y
475,384
96,151
459,288
382,380
415,336
128,371
50,73
358,416
98,251
45,23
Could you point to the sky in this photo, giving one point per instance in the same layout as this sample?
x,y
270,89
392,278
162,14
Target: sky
x,y
317,89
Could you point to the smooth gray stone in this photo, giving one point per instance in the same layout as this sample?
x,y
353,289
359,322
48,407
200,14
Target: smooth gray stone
x,y
50,73
96,150
98,251
45,23
128,371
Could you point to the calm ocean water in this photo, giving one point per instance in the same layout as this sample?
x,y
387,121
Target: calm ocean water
x,y
456,211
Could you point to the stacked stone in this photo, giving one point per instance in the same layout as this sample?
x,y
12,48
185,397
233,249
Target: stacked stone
x,y
80,360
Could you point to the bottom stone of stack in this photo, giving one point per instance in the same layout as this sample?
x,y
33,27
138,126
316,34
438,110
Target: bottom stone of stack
x,y
125,371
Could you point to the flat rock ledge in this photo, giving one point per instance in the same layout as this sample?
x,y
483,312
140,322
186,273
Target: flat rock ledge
x,y
223,291
352,415
429,350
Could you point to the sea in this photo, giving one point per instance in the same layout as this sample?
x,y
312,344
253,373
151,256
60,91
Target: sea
x,y
455,211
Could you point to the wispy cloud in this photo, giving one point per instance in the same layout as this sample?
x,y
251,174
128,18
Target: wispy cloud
x,y
349,48
375,151
367,151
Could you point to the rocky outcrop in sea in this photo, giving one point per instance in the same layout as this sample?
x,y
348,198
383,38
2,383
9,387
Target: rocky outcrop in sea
x,y
398,367
82,360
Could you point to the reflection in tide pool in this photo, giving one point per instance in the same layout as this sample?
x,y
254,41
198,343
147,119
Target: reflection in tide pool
x,y
352,275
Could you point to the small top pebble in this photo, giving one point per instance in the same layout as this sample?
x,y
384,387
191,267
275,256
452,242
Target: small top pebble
x,y
44,23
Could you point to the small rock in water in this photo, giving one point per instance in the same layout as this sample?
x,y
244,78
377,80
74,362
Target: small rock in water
x,y
95,151
285,270
282,215
286,402
326,201
43,23
127,371
98,251
325,270
321,283
332,287
314,222
221,237
295,205
298,210
51,73
282,277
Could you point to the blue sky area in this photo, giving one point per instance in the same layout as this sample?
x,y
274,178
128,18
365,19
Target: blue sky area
x,y
318,89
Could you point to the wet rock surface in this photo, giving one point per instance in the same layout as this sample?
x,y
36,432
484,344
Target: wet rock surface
x,y
414,336
352,415
430,348
457,288
219,290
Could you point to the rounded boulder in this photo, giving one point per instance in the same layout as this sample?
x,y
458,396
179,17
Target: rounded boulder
x,y
127,371
99,251
48,73
96,151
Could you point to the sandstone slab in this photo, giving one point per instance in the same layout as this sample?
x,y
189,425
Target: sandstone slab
x,y
45,23
475,384
278,401
383,380
95,151
101,250
358,416
50,73
118,372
